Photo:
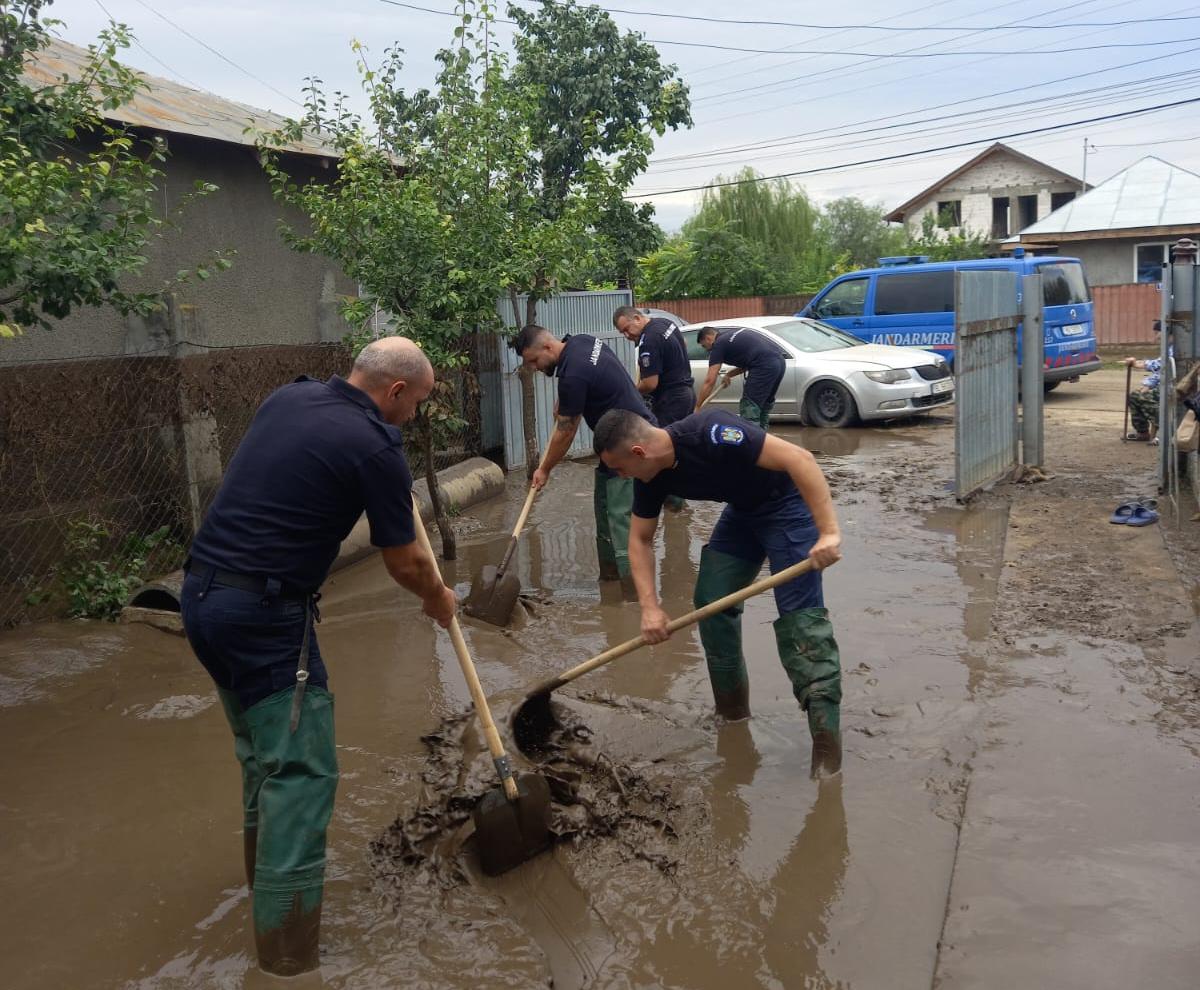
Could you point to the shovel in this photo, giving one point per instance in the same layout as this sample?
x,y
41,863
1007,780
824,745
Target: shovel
x,y
713,394
533,720
494,591
512,822
1128,384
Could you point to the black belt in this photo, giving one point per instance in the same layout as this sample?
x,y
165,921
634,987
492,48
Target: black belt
x,y
267,587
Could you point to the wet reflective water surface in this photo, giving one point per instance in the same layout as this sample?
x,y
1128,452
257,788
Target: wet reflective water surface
x,y
699,855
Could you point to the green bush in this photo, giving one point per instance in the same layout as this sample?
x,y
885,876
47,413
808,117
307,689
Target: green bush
x,y
99,577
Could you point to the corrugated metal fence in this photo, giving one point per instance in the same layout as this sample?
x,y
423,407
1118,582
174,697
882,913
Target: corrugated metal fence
x,y
569,313
1125,314
702,310
985,368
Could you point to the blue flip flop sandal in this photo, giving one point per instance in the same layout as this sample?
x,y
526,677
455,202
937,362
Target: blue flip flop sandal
x,y
1123,513
1142,516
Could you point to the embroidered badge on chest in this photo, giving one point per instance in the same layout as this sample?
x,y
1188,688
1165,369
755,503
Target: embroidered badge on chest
x,y
726,434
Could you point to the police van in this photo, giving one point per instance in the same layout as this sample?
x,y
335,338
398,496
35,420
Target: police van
x,y
909,302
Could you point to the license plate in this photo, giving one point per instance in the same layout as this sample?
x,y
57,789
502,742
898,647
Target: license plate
x,y
945,385
1074,330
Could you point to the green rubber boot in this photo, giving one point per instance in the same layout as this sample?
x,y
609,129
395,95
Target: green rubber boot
x,y
243,749
612,502
756,414
809,654
720,575
295,803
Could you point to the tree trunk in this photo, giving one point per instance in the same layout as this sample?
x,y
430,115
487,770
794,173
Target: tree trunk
x,y
449,545
528,407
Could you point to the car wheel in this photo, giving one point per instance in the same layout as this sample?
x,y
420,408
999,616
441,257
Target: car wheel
x,y
830,404
1049,386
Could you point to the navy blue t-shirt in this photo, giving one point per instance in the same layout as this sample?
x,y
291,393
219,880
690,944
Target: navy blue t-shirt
x,y
592,380
662,352
316,456
743,348
716,460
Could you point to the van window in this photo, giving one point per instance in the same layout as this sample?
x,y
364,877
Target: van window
x,y
847,298
1063,284
914,292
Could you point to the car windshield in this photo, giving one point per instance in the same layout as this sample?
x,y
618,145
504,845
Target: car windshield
x,y
811,336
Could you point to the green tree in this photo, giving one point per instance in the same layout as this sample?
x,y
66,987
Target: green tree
x,y
711,262
772,214
938,240
597,98
77,194
855,230
415,213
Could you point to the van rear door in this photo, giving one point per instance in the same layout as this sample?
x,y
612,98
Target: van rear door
x,y
1069,328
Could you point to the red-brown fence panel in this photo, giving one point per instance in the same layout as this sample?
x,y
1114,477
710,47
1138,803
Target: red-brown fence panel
x,y
1125,314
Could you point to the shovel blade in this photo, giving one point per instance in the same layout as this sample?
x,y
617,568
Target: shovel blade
x,y
491,600
507,833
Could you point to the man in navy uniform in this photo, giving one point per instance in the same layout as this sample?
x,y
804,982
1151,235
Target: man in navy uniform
x,y
750,353
315,457
665,373
591,380
778,508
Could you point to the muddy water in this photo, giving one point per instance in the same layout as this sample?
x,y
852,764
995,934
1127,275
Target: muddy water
x,y
120,793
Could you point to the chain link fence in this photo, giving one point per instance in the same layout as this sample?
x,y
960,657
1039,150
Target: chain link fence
x,y
99,454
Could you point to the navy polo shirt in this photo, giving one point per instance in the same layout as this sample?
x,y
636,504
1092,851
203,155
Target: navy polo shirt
x,y
716,460
592,380
662,352
743,348
316,456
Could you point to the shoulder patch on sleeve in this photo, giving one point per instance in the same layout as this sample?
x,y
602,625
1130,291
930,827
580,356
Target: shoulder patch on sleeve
x,y
730,435
645,360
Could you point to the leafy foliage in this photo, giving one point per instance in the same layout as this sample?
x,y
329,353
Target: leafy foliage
x,y
77,194
99,580
943,243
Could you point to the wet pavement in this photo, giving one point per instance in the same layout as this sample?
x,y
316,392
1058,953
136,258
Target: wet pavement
x,y
1017,808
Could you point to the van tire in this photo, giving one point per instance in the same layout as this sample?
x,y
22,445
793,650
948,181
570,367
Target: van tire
x,y
1048,387
830,404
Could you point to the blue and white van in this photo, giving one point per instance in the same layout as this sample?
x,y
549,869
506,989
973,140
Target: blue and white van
x,y
909,302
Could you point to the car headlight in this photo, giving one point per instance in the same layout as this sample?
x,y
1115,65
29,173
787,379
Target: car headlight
x,y
889,377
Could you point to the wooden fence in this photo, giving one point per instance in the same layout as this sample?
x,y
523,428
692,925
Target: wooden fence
x,y
703,310
1125,314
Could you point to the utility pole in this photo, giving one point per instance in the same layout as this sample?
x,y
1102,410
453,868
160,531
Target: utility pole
x,y
1086,152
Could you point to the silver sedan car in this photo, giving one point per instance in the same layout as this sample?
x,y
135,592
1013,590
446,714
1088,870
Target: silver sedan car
x,y
832,378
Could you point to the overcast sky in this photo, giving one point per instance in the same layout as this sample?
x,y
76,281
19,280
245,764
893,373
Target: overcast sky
x,y
832,108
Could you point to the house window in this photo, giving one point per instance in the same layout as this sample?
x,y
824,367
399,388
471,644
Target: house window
x,y
1148,260
1026,211
1060,199
949,213
999,216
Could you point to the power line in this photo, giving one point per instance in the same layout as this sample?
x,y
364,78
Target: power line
x,y
176,74
222,57
925,151
878,27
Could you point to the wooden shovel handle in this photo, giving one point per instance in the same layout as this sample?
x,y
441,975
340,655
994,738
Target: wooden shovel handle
x,y
521,520
712,608
494,743
711,395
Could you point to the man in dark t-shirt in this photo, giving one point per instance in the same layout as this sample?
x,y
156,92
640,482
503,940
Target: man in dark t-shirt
x,y
591,381
665,373
750,353
777,508
316,456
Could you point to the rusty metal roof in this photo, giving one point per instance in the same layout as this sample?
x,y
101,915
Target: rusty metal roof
x,y
169,107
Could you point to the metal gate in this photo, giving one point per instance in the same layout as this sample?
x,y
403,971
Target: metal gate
x,y
568,313
987,310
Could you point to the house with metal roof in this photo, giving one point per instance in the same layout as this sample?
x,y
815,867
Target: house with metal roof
x,y
1124,229
271,296
998,192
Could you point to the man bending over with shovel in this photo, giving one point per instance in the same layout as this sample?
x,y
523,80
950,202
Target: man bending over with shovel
x,y
316,456
778,508
591,380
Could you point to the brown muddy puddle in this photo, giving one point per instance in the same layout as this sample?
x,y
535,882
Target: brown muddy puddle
x,y
693,854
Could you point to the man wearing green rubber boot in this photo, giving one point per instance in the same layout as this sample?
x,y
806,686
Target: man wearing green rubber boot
x,y
778,508
316,456
759,358
591,380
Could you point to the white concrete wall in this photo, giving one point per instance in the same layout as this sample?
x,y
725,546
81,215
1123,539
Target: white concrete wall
x,y
1000,174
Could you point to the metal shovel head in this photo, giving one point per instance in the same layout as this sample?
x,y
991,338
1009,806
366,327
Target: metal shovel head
x,y
507,833
492,600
